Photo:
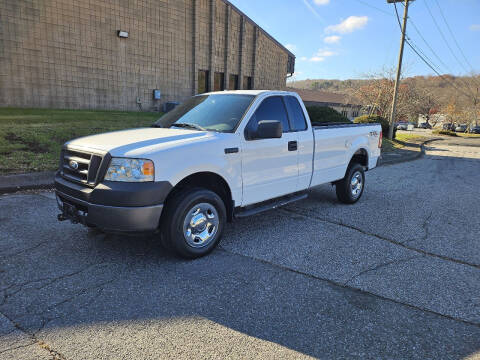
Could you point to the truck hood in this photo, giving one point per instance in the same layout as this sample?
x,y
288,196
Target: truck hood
x,y
137,141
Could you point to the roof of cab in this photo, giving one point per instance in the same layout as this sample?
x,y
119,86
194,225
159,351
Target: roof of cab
x,y
246,92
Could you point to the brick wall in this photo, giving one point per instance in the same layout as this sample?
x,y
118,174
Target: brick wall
x,y
66,53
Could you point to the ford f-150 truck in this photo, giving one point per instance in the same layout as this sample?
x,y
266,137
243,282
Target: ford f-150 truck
x,y
218,156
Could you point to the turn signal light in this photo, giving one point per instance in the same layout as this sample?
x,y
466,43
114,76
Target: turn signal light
x,y
147,168
380,139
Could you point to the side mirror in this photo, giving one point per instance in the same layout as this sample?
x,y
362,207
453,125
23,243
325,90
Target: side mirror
x,y
269,129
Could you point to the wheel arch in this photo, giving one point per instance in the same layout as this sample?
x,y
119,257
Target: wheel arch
x,y
360,156
207,180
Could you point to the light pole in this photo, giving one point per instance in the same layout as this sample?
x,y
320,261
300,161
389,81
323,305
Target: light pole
x,y
399,67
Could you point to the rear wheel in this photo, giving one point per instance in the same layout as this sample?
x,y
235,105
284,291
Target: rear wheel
x,y
193,223
350,188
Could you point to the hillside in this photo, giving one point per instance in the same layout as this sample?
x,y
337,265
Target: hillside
x,y
441,88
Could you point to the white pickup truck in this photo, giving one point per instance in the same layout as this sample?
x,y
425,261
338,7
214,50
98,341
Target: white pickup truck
x,y
216,157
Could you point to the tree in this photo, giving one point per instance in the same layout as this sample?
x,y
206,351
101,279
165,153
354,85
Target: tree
x,y
419,101
377,94
452,111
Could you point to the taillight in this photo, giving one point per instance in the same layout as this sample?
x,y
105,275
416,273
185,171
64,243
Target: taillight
x,y
380,139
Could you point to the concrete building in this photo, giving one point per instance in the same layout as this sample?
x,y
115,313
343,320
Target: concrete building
x,y
114,54
344,104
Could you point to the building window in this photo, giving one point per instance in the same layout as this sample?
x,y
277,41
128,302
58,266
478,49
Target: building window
x,y
355,113
345,113
202,81
233,82
247,83
219,82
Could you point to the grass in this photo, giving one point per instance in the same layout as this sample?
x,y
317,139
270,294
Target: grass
x,y
400,141
468,135
31,139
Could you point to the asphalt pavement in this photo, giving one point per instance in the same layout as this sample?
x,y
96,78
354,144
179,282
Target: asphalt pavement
x,y
395,276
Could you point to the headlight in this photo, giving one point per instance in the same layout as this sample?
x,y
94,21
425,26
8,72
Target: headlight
x,y
130,170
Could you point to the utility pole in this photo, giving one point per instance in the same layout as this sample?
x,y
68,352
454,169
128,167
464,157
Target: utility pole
x,y
399,68
475,102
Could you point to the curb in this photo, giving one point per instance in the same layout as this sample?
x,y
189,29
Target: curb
x,y
29,181
408,158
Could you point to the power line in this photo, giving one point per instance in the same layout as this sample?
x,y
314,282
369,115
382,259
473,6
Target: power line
x,y
428,63
455,39
428,45
443,37
435,54
374,7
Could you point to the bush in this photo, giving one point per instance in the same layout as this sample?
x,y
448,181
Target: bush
x,y
368,119
444,132
320,115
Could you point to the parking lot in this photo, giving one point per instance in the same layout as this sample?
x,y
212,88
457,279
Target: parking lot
x,y
396,275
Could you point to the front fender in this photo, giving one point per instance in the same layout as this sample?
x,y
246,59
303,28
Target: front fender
x,y
177,163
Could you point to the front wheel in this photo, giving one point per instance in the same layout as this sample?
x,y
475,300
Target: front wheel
x,y
350,188
194,222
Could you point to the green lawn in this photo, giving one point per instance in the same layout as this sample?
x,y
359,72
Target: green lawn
x,y
401,140
31,139
468,135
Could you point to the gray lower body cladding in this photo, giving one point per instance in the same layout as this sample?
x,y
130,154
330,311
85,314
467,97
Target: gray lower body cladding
x,y
113,206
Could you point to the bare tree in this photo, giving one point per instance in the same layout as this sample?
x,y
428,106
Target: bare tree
x,y
377,94
419,101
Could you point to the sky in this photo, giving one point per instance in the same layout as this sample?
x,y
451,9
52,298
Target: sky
x,y
349,39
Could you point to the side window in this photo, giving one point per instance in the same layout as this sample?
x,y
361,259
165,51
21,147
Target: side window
x,y
271,108
295,112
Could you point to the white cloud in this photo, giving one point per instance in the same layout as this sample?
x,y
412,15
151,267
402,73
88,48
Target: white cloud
x,y
303,58
322,54
291,47
321,2
475,27
348,25
332,39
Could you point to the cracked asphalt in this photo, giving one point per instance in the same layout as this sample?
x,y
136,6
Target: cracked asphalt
x,y
395,276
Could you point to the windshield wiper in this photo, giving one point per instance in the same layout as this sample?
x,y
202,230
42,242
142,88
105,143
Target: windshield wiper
x,y
190,126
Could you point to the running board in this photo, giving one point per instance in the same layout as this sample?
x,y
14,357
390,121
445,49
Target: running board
x,y
269,205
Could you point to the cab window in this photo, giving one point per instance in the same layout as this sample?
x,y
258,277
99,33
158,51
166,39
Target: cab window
x,y
295,112
272,108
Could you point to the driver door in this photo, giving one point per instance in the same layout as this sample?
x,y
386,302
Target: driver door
x,y
269,166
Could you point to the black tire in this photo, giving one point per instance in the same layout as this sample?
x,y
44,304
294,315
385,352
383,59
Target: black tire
x,y
175,217
345,192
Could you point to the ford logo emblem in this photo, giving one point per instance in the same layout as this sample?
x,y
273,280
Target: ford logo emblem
x,y
73,164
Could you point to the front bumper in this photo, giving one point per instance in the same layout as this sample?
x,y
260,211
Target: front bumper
x,y
114,207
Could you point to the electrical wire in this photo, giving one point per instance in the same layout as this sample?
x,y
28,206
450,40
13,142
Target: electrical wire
x,y
455,39
434,53
374,7
426,61
444,38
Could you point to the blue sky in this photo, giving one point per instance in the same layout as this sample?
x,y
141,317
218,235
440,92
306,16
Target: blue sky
x,y
346,39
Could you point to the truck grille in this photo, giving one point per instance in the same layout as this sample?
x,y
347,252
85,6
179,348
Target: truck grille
x,y
79,166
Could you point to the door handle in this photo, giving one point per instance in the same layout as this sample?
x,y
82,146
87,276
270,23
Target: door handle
x,y
292,146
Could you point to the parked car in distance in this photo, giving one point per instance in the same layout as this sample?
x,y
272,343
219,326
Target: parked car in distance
x,y
217,156
402,126
474,130
424,125
448,126
461,128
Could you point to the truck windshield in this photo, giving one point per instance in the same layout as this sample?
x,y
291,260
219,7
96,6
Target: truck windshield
x,y
216,112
